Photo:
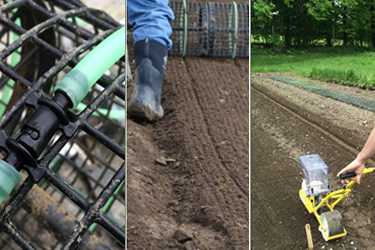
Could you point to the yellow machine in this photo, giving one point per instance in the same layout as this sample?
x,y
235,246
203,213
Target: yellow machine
x,y
316,195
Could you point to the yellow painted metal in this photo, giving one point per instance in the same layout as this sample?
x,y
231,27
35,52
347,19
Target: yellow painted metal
x,y
307,201
330,200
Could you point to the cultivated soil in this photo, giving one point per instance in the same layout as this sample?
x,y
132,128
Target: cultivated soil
x,y
188,174
287,122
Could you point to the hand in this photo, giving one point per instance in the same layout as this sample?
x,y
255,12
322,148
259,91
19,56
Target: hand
x,y
355,166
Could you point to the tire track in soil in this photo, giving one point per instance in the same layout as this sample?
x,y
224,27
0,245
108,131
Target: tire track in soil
x,y
210,180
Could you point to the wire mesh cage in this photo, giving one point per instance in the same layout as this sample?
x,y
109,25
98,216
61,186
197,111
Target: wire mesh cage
x,y
210,29
72,193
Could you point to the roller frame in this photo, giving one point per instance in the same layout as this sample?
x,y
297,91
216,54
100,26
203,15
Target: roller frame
x,y
329,200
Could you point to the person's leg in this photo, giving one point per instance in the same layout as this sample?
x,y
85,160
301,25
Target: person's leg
x,y
151,31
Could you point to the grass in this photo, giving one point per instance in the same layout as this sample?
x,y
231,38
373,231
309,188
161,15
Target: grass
x,y
349,66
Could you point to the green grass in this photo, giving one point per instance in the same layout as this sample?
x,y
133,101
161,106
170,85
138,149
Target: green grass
x,y
349,66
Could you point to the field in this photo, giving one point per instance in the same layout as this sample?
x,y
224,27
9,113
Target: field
x,y
188,174
346,66
287,122
203,192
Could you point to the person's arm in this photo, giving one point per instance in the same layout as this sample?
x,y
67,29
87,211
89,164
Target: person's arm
x,y
357,166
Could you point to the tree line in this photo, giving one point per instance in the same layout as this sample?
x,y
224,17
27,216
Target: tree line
x,y
296,23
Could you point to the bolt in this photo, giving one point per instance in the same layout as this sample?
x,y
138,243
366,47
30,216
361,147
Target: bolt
x,y
34,135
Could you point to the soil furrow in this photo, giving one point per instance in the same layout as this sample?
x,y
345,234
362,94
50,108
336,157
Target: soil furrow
x,y
197,151
192,183
198,121
334,138
224,142
216,126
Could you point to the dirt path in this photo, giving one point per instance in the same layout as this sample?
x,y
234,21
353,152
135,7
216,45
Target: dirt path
x,y
287,122
200,199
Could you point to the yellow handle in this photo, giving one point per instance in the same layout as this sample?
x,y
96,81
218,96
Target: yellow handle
x,y
365,171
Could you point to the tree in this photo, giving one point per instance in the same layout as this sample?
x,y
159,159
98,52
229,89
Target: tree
x,y
300,22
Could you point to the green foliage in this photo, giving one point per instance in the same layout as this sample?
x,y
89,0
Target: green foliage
x,y
320,10
277,43
340,76
303,22
347,66
263,9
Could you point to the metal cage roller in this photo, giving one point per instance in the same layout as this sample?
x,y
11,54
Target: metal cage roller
x,y
210,29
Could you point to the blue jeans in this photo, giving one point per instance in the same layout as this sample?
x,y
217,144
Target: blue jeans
x,y
151,19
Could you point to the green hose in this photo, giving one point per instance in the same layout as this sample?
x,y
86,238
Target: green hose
x,y
9,178
113,114
8,88
77,83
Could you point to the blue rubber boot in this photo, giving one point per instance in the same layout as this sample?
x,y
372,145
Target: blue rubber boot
x,y
150,61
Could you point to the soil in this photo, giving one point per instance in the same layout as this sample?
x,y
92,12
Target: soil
x,y
188,174
287,122
199,199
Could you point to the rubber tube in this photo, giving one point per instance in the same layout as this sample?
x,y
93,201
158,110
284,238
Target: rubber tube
x,y
113,114
7,90
9,178
77,83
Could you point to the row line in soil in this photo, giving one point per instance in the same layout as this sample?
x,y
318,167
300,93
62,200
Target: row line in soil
x,y
310,123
